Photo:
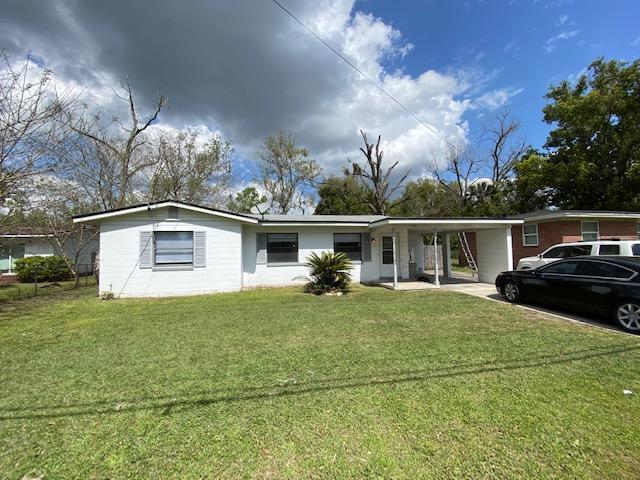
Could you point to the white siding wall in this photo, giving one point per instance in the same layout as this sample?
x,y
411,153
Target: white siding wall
x,y
310,239
119,255
41,247
37,247
494,253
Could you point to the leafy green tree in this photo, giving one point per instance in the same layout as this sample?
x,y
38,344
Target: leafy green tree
x,y
342,196
245,200
530,191
594,160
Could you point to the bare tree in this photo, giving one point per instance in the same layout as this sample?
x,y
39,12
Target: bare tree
x,y
376,179
457,174
506,146
191,170
285,170
113,154
58,201
29,131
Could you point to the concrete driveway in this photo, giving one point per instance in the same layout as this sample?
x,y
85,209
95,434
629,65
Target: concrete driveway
x,y
488,291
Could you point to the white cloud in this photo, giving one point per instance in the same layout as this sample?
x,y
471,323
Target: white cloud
x,y
247,75
550,44
636,42
562,19
496,98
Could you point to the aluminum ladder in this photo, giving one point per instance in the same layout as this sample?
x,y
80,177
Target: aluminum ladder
x,y
462,238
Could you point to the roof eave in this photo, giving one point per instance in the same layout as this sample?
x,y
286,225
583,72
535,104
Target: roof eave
x,y
154,206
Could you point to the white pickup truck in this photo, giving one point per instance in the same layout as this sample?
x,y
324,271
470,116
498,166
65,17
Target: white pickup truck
x,y
627,248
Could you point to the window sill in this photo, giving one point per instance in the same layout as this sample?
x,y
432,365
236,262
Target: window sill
x,y
172,268
286,264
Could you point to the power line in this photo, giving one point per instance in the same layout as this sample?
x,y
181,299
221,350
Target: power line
x,y
364,75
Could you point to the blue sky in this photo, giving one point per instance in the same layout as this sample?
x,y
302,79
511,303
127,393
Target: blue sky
x,y
245,69
521,42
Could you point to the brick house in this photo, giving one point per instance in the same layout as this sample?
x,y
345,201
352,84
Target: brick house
x,y
545,228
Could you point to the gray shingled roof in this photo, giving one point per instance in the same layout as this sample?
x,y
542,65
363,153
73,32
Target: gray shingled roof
x,y
321,218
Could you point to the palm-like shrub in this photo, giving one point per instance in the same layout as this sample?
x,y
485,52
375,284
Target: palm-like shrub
x,y
329,273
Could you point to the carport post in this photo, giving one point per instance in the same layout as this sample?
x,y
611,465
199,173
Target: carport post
x,y
446,261
435,257
395,261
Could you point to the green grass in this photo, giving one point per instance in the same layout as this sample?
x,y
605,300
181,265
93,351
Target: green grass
x,y
16,291
277,383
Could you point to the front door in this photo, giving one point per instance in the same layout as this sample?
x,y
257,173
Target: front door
x,y
386,257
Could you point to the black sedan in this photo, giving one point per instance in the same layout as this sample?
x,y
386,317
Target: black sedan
x,y
604,286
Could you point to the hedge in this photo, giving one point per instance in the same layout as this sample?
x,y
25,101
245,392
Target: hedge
x,y
45,269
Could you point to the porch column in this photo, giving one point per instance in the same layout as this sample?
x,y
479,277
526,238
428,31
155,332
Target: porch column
x,y
403,253
420,254
435,259
395,259
446,261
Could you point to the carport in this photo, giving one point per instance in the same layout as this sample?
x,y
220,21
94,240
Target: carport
x,y
402,240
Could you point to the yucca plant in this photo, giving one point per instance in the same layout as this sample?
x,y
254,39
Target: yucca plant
x,y
329,273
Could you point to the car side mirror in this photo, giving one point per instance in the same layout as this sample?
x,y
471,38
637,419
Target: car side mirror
x,y
539,255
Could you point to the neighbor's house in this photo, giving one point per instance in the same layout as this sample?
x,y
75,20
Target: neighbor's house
x,y
545,228
175,248
22,242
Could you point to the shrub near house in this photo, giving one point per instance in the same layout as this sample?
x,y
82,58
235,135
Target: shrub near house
x,y
43,269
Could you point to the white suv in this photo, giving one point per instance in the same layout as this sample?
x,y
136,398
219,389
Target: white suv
x,y
625,248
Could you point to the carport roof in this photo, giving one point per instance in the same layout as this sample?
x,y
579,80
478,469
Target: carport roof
x,y
447,224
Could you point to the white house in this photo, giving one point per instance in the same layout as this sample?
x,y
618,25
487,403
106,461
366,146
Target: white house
x,y
174,248
24,242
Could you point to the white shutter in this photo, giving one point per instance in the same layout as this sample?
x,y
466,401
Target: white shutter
x,y
199,249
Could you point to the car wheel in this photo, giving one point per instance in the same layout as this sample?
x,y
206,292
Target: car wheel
x,y
627,315
511,291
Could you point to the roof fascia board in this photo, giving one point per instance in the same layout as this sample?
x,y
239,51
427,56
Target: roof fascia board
x,y
144,208
453,221
312,224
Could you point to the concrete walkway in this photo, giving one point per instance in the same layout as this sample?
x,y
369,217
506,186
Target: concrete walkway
x,y
488,291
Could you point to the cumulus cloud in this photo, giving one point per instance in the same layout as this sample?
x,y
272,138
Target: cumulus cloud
x,y
245,69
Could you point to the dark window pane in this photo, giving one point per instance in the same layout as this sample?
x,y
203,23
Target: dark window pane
x,y
387,250
558,252
282,247
601,269
173,248
561,268
577,251
609,250
635,248
349,244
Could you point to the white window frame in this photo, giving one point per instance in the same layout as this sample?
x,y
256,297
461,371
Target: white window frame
x,y
597,231
524,235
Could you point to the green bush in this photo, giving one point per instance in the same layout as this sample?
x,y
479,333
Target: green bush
x,y
45,269
329,273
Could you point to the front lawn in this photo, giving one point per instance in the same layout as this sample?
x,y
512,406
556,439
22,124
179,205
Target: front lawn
x,y
277,383
17,291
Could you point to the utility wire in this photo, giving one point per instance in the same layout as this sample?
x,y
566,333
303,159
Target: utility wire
x,y
364,75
